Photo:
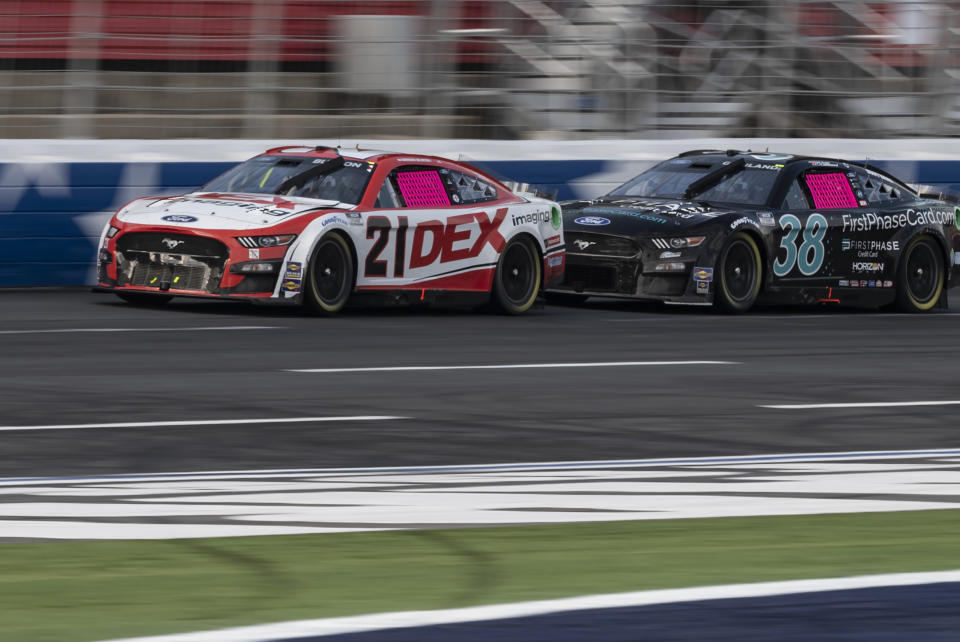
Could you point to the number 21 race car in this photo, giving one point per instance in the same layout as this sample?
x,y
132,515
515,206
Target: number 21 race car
x,y
732,228
310,226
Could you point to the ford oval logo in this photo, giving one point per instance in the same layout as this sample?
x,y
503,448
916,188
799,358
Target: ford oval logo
x,y
591,220
180,218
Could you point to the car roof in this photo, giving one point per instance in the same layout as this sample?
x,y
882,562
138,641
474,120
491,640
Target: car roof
x,y
375,156
787,159
357,153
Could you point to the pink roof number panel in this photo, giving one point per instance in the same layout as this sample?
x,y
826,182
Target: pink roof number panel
x,y
423,189
830,191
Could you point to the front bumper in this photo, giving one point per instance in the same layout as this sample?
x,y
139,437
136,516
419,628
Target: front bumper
x,y
260,299
184,265
636,277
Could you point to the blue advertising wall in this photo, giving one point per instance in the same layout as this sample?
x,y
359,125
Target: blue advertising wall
x,y
51,214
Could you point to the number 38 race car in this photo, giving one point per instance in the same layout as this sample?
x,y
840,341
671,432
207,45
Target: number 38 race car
x,y
732,228
309,226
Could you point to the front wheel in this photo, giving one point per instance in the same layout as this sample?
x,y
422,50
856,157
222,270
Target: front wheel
x,y
329,276
518,278
920,276
738,275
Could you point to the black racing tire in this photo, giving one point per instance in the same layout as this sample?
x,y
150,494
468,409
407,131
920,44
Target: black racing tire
x,y
738,275
518,278
144,299
566,298
329,279
920,275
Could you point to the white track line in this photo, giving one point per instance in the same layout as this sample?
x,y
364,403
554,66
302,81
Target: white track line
x,y
774,458
203,422
171,329
407,619
871,404
596,364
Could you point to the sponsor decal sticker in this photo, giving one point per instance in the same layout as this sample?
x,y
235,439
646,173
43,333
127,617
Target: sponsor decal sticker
x,y
180,218
253,253
294,271
740,221
854,284
703,287
556,219
435,239
844,283
553,240
703,274
554,261
630,210
956,217
869,221
335,219
766,219
888,284
533,218
290,285
866,249
861,267
763,166
670,255
591,220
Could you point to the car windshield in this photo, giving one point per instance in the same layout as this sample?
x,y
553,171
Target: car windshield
x,y
748,186
264,174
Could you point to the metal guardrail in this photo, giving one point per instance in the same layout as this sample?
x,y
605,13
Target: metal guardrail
x,y
478,68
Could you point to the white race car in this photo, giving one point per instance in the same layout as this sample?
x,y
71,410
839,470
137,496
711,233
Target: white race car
x,y
307,225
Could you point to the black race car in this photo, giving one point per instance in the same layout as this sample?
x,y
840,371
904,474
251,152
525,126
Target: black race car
x,y
731,228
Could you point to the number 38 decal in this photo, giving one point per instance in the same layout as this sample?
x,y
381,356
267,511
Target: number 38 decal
x,y
809,257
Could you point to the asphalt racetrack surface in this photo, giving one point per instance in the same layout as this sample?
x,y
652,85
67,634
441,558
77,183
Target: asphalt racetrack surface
x,y
70,359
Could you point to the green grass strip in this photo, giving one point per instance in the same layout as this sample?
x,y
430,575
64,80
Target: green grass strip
x,y
55,591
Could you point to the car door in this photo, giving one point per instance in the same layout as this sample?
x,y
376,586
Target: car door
x,y
809,231
426,231
872,237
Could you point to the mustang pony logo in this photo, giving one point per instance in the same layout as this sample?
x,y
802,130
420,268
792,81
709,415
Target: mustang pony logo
x,y
582,245
172,243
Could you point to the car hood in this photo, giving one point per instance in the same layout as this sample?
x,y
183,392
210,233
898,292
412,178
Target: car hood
x,y
206,210
629,216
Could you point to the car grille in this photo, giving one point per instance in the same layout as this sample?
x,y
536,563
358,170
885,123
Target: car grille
x,y
600,244
170,261
172,243
590,277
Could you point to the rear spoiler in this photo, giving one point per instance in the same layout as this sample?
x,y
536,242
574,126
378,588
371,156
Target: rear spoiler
x,y
526,189
936,193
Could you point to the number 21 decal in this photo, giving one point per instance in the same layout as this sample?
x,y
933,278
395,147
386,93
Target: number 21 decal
x,y
809,258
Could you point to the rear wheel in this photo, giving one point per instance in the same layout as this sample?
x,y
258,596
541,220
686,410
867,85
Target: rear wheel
x,y
145,300
518,277
920,276
329,276
738,274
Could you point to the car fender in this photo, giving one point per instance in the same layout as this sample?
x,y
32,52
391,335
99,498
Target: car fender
x,y
297,259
